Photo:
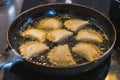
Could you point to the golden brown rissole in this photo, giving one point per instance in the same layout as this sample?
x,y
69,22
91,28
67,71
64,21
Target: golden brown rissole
x,y
61,56
58,35
87,50
35,34
89,35
32,48
75,24
50,23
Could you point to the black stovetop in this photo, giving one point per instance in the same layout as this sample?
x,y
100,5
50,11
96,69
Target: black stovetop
x,y
21,72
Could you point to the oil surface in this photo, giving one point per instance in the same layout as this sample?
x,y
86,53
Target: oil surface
x,y
41,59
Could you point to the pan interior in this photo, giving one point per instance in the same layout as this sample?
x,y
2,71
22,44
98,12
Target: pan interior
x,y
41,59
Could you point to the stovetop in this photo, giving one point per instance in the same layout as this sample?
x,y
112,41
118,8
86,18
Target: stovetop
x,y
108,70
20,72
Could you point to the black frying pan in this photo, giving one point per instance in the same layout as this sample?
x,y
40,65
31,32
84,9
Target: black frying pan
x,y
72,9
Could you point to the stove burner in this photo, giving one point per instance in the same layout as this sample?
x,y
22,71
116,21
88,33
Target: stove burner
x,y
21,72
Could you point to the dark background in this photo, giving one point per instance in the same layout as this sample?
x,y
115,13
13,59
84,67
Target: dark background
x,y
101,5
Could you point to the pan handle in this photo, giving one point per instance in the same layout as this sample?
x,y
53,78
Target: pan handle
x,y
8,59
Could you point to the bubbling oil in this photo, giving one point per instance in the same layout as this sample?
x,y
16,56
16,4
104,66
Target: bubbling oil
x,y
42,59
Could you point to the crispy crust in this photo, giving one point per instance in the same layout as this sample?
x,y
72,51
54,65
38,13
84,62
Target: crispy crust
x,y
75,24
35,34
87,50
89,35
61,56
32,48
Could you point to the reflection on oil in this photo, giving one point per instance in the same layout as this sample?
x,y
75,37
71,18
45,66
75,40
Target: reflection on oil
x,y
51,12
28,21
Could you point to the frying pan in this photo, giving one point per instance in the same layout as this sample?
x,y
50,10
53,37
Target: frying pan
x,y
61,8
